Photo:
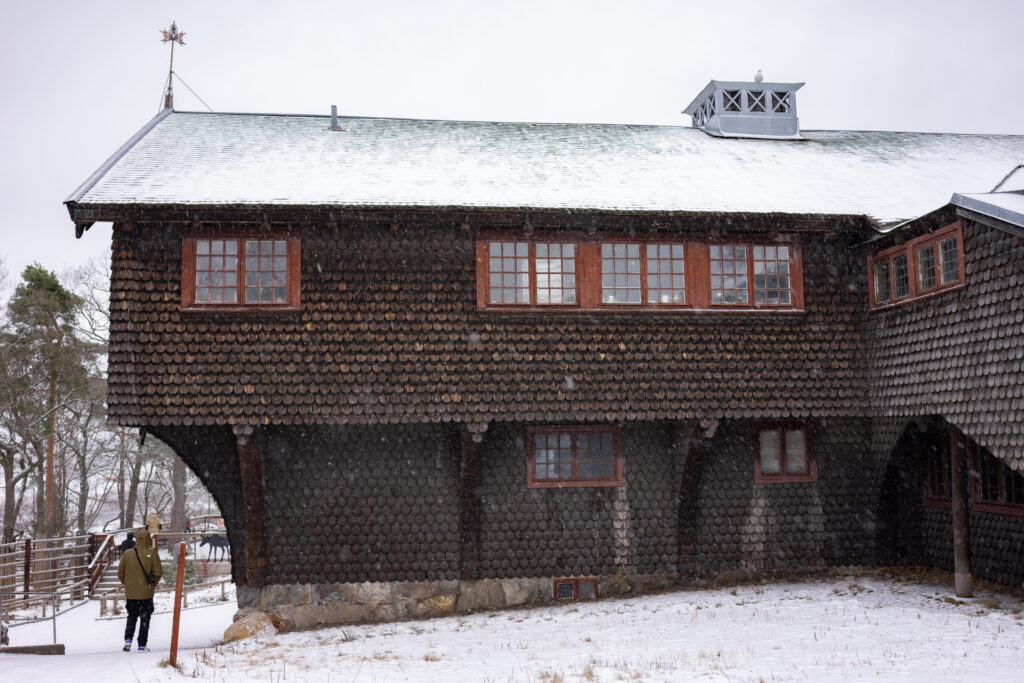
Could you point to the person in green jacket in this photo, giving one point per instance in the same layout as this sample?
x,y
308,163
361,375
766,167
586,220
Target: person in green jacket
x,y
138,591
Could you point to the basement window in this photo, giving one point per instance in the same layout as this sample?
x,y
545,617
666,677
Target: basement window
x,y
240,271
569,589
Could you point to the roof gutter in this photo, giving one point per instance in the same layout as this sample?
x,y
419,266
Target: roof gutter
x,y
90,182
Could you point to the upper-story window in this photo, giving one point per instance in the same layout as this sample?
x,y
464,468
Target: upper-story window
x,y
542,273
610,274
925,265
240,272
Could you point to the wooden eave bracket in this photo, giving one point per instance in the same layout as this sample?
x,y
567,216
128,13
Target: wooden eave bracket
x,y
243,432
81,227
476,431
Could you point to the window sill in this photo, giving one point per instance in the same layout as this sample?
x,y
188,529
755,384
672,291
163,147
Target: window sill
x,y
1011,509
786,479
944,503
921,297
619,310
240,310
577,483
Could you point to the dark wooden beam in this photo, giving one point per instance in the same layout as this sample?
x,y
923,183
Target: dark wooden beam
x,y
471,475
688,443
251,471
464,219
963,582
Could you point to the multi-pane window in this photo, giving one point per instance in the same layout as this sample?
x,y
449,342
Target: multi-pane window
x,y
216,271
939,471
997,485
509,272
266,271
949,261
232,272
532,273
926,267
784,453
666,274
771,275
882,281
556,273
573,456
620,273
901,277
926,264
729,274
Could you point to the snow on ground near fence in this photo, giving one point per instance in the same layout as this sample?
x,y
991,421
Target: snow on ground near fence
x,y
859,627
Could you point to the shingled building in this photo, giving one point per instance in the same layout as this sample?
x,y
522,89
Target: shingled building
x,y
431,365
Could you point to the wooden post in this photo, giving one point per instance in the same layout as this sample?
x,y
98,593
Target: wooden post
x,y
179,584
251,472
28,566
963,582
471,474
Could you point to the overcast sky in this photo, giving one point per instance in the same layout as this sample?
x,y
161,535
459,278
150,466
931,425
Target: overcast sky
x,y
79,77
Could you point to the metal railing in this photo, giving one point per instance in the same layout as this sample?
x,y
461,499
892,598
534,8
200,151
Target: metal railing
x,y
22,621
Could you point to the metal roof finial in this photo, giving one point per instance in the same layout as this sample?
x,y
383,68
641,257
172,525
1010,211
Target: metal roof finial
x,y
172,36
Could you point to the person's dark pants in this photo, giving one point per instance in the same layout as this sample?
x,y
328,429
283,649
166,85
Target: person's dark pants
x,y
141,610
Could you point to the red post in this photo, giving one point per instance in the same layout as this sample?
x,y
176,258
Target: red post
x,y
177,603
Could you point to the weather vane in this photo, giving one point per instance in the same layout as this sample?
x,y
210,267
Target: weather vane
x,y
172,36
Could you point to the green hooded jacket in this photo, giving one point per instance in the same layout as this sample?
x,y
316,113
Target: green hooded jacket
x,y
130,573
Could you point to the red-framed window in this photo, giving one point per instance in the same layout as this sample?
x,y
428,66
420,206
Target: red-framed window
x,y
611,274
784,452
997,487
240,271
571,588
924,266
573,455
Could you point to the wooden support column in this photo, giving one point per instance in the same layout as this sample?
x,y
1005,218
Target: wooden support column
x,y
689,450
471,474
963,582
251,470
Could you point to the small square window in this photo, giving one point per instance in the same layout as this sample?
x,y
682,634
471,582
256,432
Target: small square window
x,y
575,589
784,453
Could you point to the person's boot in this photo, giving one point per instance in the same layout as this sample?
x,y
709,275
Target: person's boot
x,y
127,645
143,648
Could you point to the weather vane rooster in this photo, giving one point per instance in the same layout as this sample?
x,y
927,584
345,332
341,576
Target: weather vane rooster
x,y
172,36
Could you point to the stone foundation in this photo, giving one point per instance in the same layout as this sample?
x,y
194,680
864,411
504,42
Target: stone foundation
x,y
297,607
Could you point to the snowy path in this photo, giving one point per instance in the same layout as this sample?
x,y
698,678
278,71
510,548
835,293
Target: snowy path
x,y
94,645
842,629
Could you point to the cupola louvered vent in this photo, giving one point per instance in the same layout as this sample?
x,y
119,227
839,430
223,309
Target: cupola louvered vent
x,y
739,109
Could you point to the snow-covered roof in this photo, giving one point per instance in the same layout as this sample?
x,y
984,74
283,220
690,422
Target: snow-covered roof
x,y
260,159
1006,206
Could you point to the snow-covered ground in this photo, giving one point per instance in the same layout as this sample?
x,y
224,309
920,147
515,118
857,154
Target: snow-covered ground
x,y
859,627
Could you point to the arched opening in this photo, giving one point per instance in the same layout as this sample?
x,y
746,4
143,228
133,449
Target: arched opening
x,y
211,454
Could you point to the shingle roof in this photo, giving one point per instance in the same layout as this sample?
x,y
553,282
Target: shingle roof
x,y
258,159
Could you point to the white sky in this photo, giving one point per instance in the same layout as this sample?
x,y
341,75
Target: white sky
x,y
78,77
